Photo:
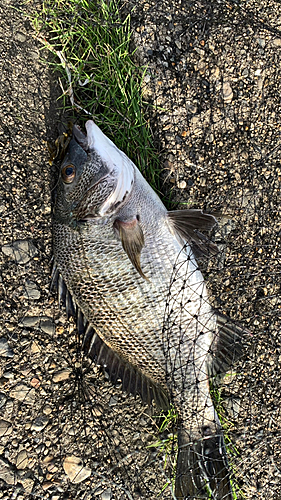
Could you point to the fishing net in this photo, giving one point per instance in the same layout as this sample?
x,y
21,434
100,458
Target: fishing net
x,y
212,88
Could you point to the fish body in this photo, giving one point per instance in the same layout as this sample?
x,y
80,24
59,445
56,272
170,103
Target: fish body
x,y
127,264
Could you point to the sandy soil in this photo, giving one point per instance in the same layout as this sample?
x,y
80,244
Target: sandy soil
x,y
214,81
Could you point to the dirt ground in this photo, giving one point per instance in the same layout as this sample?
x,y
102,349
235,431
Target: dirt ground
x,y
213,80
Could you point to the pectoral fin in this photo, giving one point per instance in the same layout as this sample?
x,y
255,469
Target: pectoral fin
x,y
187,225
132,239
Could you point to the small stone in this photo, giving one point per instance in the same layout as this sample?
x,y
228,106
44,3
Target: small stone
x,y
31,290
35,382
24,393
3,399
113,401
48,326
5,349
29,321
20,37
39,423
21,251
22,460
261,42
9,407
106,494
47,410
28,484
44,322
5,428
276,42
62,375
227,93
46,485
7,473
181,184
73,467
35,348
178,44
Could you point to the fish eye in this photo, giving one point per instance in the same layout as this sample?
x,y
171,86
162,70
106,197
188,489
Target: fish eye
x,y
68,174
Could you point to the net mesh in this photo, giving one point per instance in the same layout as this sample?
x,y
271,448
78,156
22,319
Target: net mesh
x,y
213,88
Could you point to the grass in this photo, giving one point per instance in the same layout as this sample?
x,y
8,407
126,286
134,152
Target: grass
x,y
168,445
91,48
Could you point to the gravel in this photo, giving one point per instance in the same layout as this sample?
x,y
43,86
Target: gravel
x,y
214,82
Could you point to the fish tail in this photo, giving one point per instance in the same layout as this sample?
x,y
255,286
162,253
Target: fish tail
x,y
202,467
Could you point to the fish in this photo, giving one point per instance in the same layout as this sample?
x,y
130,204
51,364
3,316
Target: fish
x,y
126,269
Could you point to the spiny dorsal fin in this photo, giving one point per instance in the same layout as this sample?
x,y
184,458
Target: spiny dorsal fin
x,y
227,346
187,224
132,239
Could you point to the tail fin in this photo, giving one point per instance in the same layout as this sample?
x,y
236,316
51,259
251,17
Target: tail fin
x,y
202,467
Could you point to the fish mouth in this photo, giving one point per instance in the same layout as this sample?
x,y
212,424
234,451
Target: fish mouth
x,y
80,137
116,169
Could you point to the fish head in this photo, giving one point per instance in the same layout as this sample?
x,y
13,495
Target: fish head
x,y
96,178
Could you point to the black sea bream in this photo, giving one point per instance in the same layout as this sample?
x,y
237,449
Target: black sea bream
x,y
123,257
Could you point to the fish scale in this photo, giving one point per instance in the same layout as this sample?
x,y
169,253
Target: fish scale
x,y
130,270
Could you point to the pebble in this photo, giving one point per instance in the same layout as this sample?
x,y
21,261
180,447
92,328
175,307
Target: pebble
x,y
62,375
5,349
227,92
20,37
21,251
7,473
39,423
24,393
35,347
5,428
106,494
28,484
31,290
261,42
46,485
48,326
277,42
181,184
73,467
22,460
3,399
44,322
47,409
29,321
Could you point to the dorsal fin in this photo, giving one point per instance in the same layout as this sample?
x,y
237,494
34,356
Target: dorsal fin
x,y
133,381
188,224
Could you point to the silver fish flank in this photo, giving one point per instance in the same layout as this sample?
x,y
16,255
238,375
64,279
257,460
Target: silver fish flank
x,y
129,269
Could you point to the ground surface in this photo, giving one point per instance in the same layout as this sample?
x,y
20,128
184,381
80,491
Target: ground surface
x,y
214,81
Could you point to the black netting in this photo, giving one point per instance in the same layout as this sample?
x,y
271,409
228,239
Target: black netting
x,y
212,94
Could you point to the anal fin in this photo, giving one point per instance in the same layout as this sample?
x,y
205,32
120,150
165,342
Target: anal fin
x,y
227,346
